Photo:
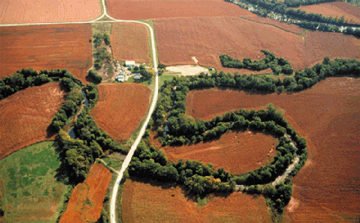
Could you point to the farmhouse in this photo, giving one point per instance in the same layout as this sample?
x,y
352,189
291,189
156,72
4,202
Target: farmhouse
x,y
130,63
120,78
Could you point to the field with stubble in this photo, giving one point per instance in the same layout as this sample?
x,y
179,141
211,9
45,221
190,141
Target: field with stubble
x,y
87,198
328,116
151,9
206,38
237,152
46,11
153,202
46,47
120,109
130,42
26,115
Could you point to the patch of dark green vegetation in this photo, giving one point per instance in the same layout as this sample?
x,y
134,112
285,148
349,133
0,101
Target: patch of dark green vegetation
x,y
94,77
277,65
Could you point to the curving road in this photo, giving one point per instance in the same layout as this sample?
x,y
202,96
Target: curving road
x,y
152,106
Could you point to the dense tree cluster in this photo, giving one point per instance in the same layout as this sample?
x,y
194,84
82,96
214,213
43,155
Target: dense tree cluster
x,y
298,3
278,65
102,55
94,76
29,77
98,38
144,73
92,94
72,104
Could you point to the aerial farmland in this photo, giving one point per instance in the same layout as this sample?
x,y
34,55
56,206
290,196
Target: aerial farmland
x,y
179,111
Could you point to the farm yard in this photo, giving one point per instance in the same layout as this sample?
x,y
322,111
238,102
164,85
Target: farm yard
x,y
130,42
26,115
351,13
45,11
206,38
46,47
86,201
169,202
120,109
30,191
237,152
327,115
154,9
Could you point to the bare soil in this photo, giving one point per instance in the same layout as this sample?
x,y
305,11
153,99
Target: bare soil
x,y
151,9
152,202
328,116
26,115
120,109
41,11
87,198
46,47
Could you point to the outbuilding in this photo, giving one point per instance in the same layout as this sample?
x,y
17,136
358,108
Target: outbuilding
x,y
129,63
120,78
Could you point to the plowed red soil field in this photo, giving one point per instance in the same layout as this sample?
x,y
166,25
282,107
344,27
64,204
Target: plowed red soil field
x,y
144,202
46,47
207,38
26,115
130,42
328,116
237,152
334,45
87,198
335,9
120,109
40,11
281,25
150,9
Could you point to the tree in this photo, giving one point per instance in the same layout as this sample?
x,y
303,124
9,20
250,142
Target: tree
x,y
94,76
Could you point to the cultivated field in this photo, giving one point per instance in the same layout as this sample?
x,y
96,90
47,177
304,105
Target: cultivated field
x,y
87,198
30,191
281,25
120,109
37,11
144,202
150,9
206,38
130,42
237,152
335,9
328,116
334,45
26,115
46,47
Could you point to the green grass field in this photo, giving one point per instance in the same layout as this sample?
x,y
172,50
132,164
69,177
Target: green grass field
x,y
30,191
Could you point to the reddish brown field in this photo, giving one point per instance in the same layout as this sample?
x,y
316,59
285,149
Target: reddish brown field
x,y
142,202
43,11
26,115
335,9
120,109
46,47
281,25
328,116
334,45
130,41
150,9
207,38
87,198
237,152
